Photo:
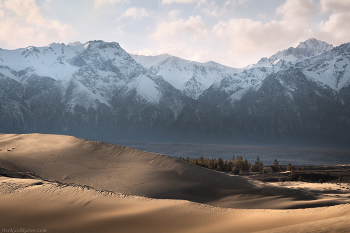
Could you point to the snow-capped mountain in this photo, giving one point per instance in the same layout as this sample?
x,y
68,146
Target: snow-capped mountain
x,y
330,68
96,68
192,78
219,91
97,90
301,99
92,84
304,55
287,105
304,50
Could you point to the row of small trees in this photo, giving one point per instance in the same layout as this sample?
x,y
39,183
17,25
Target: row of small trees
x,y
277,168
236,165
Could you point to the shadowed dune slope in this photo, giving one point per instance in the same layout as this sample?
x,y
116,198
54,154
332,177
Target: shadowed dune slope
x,y
36,204
130,171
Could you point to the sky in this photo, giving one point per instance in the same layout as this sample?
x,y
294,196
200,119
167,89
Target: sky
x,y
235,33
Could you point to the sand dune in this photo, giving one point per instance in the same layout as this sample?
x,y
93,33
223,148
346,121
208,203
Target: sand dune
x,y
130,171
36,204
131,178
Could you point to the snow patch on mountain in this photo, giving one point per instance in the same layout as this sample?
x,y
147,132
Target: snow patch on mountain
x,y
238,95
149,61
192,78
146,88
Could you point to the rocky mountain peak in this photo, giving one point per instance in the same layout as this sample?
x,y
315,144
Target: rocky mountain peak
x,y
311,47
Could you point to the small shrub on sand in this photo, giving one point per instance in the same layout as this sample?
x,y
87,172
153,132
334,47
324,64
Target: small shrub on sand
x,y
275,166
258,166
292,176
290,167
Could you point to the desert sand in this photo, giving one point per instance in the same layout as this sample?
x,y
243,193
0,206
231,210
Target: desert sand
x,y
84,186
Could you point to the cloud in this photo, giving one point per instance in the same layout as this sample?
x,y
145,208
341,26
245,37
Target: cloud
x,y
213,8
173,14
178,1
296,8
177,49
26,9
236,41
99,3
136,13
1,11
192,29
25,24
246,36
337,28
337,6
234,3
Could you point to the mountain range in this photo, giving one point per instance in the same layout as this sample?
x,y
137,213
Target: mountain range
x,y
96,90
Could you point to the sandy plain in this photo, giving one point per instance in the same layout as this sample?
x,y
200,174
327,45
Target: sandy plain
x,y
67,184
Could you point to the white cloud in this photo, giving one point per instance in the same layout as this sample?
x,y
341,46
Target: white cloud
x,y
173,14
24,22
236,41
178,1
200,2
193,28
335,5
99,3
211,8
181,37
26,9
296,8
1,11
234,3
177,49
337,28
246,37
214,8
136,13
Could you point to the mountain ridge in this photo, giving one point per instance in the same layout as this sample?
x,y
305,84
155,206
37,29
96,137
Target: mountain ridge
x,y
97,90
